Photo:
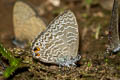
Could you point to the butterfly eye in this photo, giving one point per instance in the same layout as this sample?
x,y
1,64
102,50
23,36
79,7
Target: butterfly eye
x,y
36,49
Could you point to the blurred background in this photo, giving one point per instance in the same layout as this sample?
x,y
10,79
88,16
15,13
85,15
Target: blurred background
x,y
93,17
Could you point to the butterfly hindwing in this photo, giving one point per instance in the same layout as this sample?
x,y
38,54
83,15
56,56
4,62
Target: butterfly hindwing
x,y
59,42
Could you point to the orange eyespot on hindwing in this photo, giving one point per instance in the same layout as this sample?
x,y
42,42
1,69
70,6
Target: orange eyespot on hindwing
x,y
37,54
36,49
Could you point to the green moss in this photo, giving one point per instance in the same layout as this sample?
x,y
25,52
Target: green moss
x,y
89,64
14,62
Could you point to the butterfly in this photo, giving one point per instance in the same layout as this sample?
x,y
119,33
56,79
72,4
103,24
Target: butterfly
x,y
27,22
59,43
114,37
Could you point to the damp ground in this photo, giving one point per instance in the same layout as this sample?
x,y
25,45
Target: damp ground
x,y
93,21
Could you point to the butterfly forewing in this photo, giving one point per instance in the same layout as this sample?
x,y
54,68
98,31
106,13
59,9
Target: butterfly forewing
x,y
59,41
113,29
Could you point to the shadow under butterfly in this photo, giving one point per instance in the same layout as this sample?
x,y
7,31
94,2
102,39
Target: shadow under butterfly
x,y
27,23
114,34
59,43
